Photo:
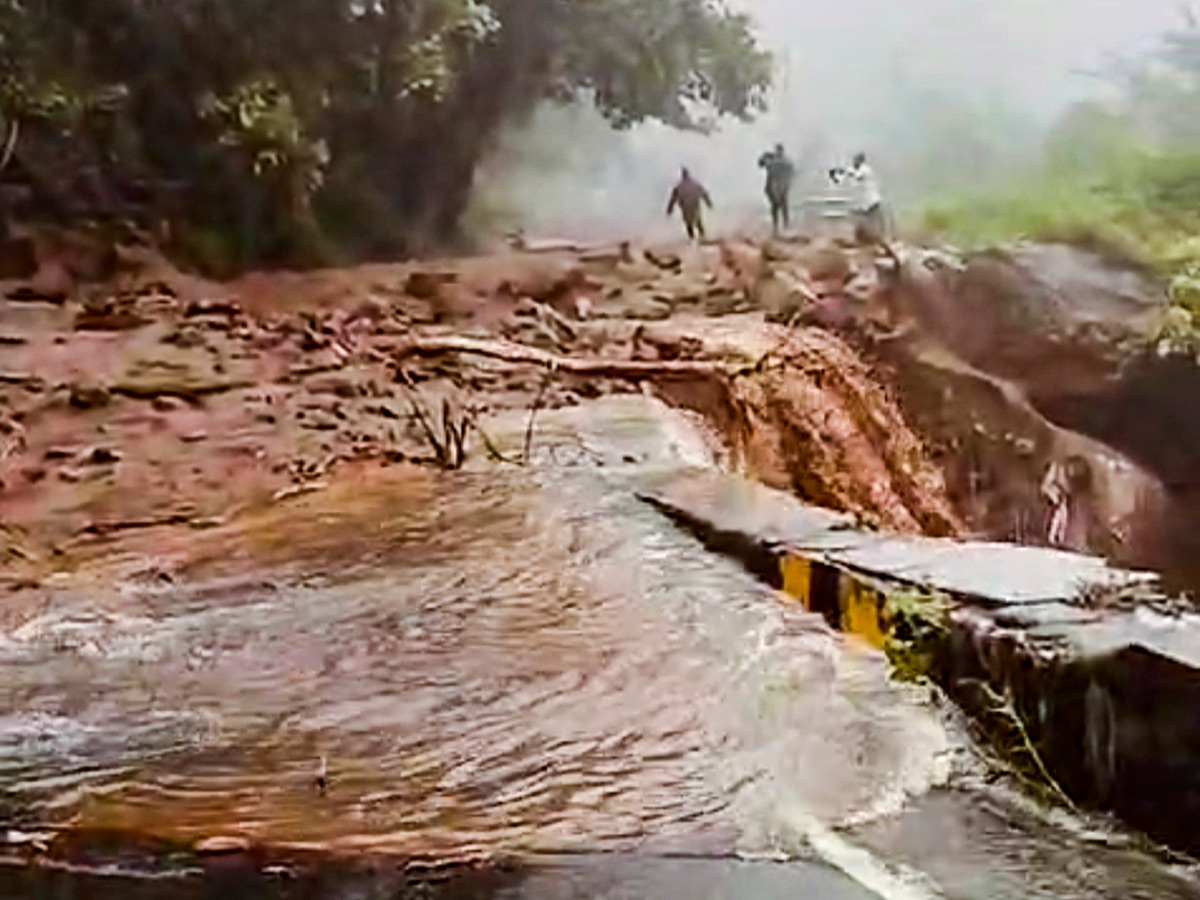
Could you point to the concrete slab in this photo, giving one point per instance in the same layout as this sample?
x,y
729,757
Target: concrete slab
x,y
993,573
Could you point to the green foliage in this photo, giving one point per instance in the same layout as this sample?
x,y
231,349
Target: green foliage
x,y
1122,179
260,107
669,59
259,120
918,633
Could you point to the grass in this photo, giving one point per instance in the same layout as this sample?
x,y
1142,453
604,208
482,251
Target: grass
x,y
1143,210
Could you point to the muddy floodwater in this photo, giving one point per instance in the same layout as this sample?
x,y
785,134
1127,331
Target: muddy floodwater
x,y
540,669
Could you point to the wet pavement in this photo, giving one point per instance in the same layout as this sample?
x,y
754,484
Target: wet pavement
x,y
540,665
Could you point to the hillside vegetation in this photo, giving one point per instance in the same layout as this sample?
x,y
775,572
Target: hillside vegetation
x,y
1121,178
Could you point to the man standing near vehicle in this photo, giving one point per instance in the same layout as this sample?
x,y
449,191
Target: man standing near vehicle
x,y
688,195
866,201
780,174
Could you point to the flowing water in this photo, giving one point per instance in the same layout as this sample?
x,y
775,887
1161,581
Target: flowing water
x,y
543,669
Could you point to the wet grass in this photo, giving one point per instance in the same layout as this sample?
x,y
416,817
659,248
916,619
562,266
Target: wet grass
x,y
1141,208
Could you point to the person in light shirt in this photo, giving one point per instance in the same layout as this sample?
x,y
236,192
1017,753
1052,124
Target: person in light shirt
x,y
866,200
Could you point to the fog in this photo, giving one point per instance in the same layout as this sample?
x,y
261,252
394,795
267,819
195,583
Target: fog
x,y
939,93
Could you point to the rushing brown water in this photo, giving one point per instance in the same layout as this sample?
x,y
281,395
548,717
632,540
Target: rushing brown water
x,y
542,665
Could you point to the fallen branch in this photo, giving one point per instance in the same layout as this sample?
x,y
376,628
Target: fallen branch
x,y
1021,754
103,529
509,351
191,393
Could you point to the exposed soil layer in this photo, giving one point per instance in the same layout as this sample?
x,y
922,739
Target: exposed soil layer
x,y
1019,360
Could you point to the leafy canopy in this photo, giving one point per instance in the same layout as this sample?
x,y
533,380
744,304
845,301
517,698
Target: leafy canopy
x,y
264,105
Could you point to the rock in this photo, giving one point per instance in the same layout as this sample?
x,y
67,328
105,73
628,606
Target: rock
x,y
646,308
428,285
338,385
185,336
194,437
382,411
669,345
744,261
772,252
778,297
53,282
217,308
370,309
827,264
99,456
319,420
164,404
84,396
830,311
723,302
156,289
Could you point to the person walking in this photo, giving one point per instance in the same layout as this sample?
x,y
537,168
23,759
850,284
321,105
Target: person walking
x,y
780,174
689,194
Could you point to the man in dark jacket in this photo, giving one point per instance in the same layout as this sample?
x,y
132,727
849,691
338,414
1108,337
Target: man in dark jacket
x,y
780,174
688,195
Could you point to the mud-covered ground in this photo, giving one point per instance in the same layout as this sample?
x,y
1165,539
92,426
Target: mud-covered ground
x,y
153,402
233,562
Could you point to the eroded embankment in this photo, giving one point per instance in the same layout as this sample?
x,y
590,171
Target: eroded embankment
x,y
1017,362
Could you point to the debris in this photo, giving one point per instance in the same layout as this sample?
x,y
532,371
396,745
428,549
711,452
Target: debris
x,y
109,315
320,780
166,404
99,456
428,285
297,490
84,396
670,262
227,308
220,845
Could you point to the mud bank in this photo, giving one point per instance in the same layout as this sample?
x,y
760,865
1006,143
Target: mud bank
x,y
1021,358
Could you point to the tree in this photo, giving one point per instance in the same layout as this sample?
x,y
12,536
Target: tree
x,y
367,118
